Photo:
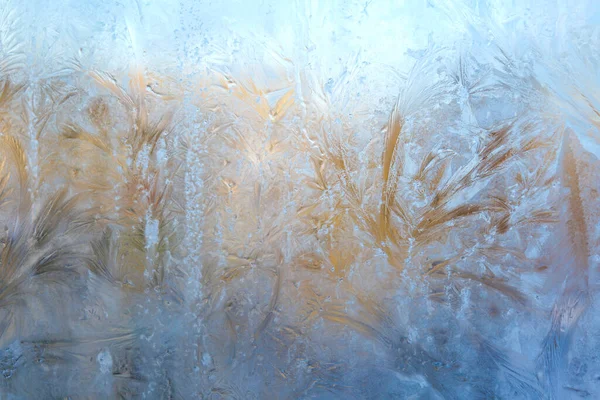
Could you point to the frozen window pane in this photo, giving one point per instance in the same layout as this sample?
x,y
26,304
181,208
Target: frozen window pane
x,y
299,199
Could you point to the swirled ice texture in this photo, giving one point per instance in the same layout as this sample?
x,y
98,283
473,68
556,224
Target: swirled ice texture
x,y
299,199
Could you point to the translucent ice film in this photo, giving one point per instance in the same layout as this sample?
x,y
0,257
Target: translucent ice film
x,y
299,199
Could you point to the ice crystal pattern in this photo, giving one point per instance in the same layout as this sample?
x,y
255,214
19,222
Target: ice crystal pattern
x,y
299,199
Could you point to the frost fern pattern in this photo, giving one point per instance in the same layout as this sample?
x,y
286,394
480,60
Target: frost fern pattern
x,y
272,203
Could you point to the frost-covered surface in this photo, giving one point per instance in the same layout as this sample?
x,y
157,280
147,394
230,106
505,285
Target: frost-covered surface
x,y
299,199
